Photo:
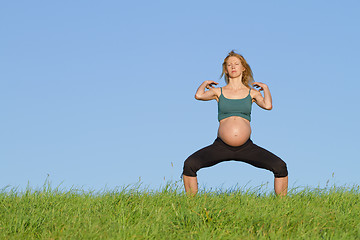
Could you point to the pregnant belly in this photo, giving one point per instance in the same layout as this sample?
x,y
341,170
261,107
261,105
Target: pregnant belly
x,y
234,131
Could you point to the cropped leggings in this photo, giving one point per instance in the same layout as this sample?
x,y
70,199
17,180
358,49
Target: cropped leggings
x,y
219,151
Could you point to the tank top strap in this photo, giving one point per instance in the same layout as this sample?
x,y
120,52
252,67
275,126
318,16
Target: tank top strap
x,y
221,90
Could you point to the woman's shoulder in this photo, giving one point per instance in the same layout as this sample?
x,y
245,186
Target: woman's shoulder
x,y
254,92
217,90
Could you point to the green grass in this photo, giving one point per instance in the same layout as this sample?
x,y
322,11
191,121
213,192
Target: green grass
x,y
131,213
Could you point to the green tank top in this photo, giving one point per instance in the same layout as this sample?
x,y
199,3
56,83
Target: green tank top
x,y
234,107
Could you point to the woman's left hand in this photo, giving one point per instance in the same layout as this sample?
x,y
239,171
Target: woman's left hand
x,y
260,85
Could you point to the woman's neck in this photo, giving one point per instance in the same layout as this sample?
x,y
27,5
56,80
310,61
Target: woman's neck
x,y
236,83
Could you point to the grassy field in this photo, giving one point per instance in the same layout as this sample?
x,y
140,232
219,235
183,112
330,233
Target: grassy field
x,y
130,213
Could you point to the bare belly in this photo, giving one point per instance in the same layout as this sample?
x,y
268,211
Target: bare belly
x,y
234,130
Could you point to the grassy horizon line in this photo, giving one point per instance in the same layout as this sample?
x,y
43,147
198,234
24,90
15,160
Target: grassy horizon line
x,y
129,212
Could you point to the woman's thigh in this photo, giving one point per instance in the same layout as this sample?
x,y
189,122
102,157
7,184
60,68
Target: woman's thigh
x,y
262,158
207,157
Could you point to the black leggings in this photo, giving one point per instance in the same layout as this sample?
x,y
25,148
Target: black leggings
x,y
219,151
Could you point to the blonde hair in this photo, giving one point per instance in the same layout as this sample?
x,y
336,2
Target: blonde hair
x,y
247,76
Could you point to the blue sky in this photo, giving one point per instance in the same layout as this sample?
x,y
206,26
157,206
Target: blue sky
x,y
97,94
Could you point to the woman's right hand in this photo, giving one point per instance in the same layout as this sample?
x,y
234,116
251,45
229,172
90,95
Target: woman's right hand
x,y
210,83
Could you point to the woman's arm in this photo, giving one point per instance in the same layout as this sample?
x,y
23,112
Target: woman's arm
x,y
265,101
203,95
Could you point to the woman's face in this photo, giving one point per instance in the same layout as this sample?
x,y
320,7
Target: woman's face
x,y
234,68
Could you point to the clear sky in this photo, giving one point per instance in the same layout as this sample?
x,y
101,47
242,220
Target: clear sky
x,y
97,94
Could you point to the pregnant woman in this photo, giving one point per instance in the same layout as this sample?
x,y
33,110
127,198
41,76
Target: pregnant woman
x,y
234,115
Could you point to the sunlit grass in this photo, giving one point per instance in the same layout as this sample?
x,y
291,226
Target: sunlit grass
x,y
134,213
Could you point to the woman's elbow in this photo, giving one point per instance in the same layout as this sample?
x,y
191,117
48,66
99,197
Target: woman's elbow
x,y
269,107
197,96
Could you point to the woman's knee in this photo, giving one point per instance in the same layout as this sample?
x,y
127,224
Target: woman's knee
x,y
191,167
280,169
